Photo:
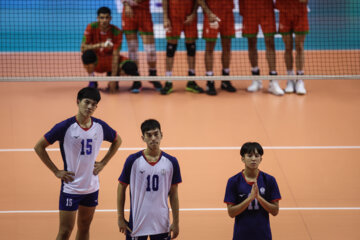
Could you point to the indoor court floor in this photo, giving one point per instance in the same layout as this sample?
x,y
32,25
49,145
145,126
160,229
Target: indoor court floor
x,y
311,142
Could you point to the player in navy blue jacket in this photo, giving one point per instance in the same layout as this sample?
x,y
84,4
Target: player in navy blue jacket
x,y
251,195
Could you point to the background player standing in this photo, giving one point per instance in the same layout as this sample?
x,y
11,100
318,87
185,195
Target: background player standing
x,y
180,15
261,13
136,17
105,39
219,18
80,139
294,19
153,177
251,195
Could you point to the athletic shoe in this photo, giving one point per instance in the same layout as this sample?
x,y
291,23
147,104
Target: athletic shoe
x,y
136,87
275,89
290,86
255,86
210,88
167,89
227,86
93,84
300,87
191,86
157,85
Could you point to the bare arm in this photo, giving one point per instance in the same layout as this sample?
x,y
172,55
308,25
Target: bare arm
x,y
112,150
120,208
192,15
174,203
40,149
234,210
212,17
272,208
85,46
166,20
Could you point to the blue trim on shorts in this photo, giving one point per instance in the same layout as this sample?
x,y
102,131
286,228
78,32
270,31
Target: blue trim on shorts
x,y
71,202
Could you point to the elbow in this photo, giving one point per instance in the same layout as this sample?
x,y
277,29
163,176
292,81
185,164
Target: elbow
x,y
275,212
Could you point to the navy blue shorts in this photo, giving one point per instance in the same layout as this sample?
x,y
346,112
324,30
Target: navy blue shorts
x,y
71,202
162,236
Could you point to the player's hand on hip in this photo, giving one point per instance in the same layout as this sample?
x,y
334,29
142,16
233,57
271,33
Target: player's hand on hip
x,y
65,176
98,167
174,230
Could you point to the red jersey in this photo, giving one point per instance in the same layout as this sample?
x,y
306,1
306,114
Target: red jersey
x,y
220,7
292,6
179,8
93,35
145,4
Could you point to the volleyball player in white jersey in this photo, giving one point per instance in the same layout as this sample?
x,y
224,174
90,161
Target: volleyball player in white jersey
x,y
80,138
153,176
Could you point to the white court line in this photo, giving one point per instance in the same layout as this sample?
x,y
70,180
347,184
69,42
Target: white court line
x,y
199,148
200,210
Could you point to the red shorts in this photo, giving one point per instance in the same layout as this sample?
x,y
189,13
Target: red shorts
x,y
251,24
226,27
293,22
177,26
104,63
141,21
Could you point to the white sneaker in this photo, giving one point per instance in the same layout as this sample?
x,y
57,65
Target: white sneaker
x,y
290,86
256,85
300,87
275,89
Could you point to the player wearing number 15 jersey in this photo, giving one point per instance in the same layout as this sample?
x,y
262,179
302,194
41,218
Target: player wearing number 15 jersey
x,y
80,138
251,195
153,176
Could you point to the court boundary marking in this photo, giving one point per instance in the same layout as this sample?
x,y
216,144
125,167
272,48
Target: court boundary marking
x,y
197,148
197,210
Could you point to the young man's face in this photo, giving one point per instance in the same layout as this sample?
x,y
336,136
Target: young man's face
x,y
87,107
104,20
90,68
152,138
252,160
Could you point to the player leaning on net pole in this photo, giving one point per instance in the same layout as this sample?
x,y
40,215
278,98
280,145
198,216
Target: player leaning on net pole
x,y
153,177
105,39
218,18
251,195
136,17
255,14
180,16
80,139
294,20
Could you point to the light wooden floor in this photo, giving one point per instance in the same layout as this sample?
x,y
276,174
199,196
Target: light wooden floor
x,y
312,147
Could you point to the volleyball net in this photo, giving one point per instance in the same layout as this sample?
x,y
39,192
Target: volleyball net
x,y
40,40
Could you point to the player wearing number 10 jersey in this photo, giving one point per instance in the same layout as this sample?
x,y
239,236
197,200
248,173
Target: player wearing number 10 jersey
x,y
251,195
153,176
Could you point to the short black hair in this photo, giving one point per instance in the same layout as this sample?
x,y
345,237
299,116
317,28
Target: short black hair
x,y
90,93
130,68
251,147
88,57
104,10
150,124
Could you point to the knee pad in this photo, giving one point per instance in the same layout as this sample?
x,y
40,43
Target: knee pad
x,y
171,49
150,52
191,49
133,46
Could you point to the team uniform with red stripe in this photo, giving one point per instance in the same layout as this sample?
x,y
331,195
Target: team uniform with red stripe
x,y
255,13
223,9
253,223
178,10
293,17
150,184
94,35
140,21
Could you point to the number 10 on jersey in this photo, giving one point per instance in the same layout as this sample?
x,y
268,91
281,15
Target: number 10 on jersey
x,y
152,183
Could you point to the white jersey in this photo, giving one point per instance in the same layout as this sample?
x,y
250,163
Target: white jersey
x,y
79,148
149,189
